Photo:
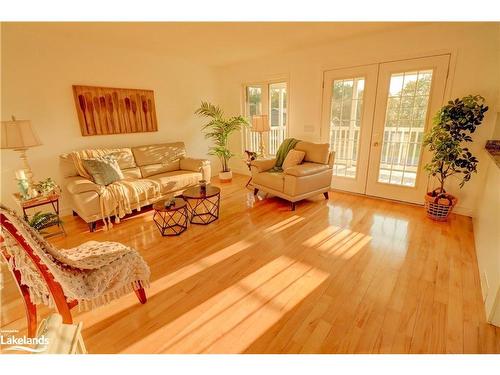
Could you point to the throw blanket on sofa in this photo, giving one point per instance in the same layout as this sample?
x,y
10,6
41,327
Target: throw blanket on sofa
x,y
287,145
121,197
93,273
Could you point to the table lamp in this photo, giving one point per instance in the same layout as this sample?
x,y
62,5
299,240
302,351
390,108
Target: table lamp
x,y
260,124
18,135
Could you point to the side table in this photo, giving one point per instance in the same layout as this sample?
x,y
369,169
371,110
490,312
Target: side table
x,y
171,220
52,200
203,204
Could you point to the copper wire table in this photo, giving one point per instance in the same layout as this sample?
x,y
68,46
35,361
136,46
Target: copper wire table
x,y
203,204
172,220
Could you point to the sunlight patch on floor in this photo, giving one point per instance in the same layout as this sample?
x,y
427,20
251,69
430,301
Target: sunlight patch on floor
x,y
339,242
246,310
282,225
90,318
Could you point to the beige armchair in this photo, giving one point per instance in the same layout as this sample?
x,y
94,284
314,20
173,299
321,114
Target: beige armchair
x,y
312,177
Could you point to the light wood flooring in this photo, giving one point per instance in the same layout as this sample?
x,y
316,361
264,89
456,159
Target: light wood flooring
x,y
348,275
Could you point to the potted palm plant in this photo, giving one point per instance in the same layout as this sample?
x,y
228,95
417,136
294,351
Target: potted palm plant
x,y
453,125
219,129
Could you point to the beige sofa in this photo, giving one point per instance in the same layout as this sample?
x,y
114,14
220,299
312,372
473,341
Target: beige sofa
x,y
147,165
312,177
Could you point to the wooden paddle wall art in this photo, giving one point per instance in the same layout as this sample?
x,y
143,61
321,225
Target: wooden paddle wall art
x,y
106,110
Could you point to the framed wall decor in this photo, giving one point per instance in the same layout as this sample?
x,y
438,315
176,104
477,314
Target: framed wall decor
x,y
107,110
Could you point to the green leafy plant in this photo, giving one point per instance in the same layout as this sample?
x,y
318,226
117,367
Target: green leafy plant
x,y
453,125
46,186
43,220
219,129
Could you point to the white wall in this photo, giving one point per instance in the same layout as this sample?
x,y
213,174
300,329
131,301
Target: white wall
x,y
38,71
475,71
487,238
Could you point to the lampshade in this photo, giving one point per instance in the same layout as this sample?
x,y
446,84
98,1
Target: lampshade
x,y
260,123
18,135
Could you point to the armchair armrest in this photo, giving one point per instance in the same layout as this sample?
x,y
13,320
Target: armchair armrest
x,y
78,184
262,165
306,169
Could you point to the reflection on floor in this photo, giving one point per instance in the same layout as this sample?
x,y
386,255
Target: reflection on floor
x,y
347,275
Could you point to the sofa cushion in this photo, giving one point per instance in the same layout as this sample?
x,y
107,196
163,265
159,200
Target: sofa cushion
x,y
168,154
273,180
315,152
306,169
132,173
293,158
173,181
124,157
104,170
152,169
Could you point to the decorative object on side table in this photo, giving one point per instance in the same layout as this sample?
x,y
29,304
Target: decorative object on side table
x,y
18,135
171,216
453,125
204,204
260,124
219,129
203,185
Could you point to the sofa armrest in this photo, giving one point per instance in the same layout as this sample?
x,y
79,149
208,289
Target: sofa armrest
x,y
197,165
78,184
306,169
262,165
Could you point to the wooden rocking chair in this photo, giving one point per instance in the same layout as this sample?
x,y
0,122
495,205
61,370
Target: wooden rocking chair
x,y
11,226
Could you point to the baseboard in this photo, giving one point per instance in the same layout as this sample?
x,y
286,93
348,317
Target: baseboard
x,y
464,211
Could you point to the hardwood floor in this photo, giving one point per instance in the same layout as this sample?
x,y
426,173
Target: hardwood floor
x,y
348,275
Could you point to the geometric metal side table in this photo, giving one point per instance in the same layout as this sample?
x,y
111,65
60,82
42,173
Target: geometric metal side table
x,y
172,220
203,204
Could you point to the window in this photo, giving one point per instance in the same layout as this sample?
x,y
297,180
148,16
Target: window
x,y
271,99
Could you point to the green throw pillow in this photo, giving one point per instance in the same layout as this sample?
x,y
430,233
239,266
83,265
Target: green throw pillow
x,y
104,169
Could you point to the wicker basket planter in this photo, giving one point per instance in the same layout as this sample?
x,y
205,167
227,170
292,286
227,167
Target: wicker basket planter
x,y
439,205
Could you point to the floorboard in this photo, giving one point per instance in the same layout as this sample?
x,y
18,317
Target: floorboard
x,y
351,274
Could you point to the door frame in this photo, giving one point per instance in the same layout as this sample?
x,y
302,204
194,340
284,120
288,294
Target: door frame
x,y
370,74
451,54
440,66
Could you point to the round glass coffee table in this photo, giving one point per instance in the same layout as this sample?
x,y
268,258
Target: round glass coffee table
x,y
203,204
171,220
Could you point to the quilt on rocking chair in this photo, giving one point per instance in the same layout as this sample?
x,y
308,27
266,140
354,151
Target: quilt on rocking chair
x,y
91,274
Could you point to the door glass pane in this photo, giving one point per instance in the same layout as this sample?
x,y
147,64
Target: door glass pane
x,y
345,123
407,105
253,107
277,115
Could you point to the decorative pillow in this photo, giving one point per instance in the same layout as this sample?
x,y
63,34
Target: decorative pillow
x,y
104,169
293,158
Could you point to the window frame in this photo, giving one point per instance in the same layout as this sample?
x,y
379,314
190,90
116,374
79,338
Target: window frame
x,y
265,108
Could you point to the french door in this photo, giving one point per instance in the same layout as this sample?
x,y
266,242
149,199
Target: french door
x,y
375,117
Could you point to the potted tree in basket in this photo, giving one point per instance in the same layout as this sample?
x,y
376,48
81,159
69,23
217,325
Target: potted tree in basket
x,y
219,129
453,126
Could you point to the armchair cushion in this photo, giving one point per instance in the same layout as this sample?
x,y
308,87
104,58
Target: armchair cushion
x,y
263,165
293,158
306,169
315,152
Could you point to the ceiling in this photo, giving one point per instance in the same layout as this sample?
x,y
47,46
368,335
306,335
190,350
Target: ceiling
x,y
216,43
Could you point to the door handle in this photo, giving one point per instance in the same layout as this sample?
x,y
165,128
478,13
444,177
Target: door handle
x,y
375,144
